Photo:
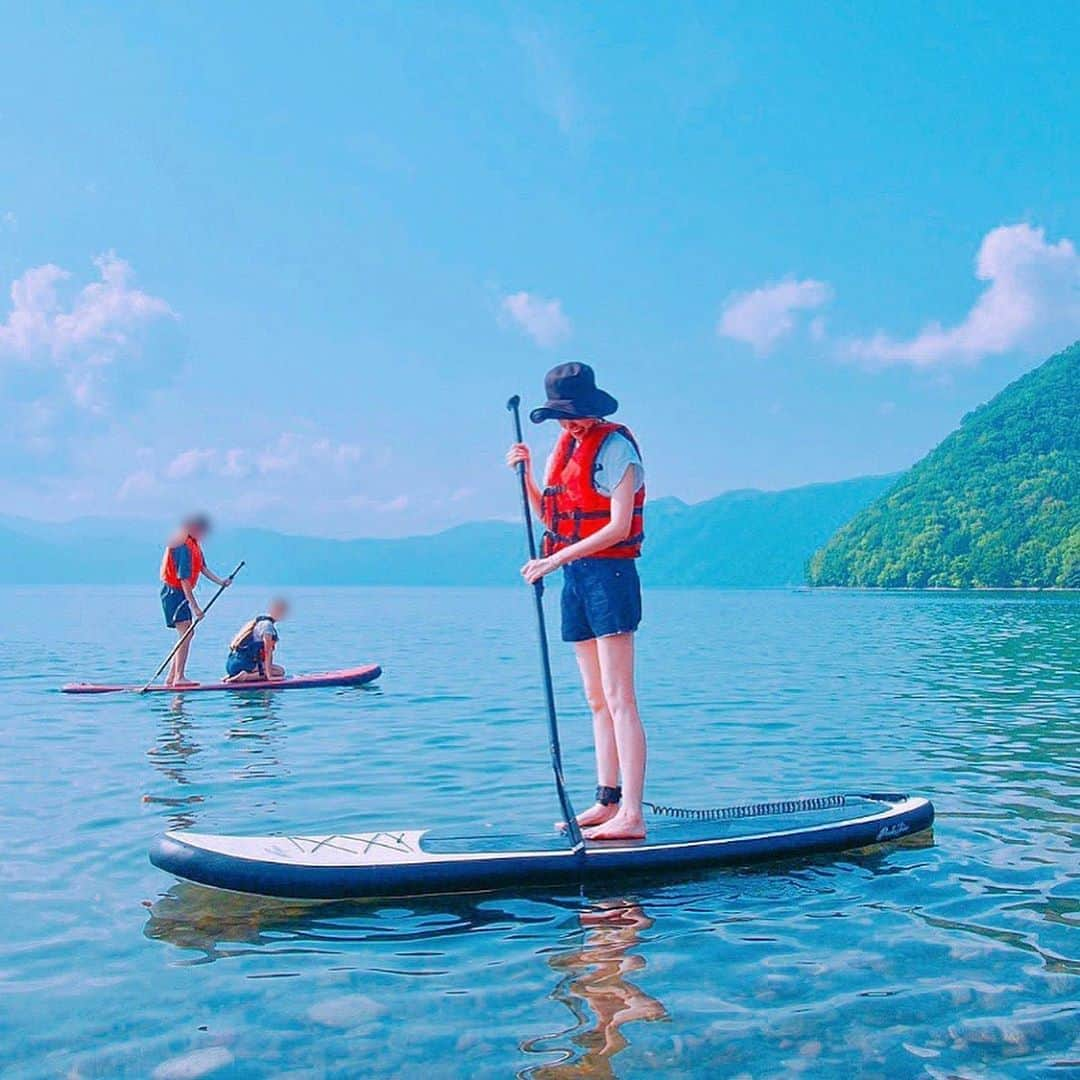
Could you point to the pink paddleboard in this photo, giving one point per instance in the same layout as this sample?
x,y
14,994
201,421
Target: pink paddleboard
x,y
356,676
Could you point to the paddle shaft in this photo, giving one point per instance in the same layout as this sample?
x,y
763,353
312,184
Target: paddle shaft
x,y
573,830
191,629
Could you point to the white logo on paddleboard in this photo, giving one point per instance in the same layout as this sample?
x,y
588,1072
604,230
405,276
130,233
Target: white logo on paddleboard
x,y
891,832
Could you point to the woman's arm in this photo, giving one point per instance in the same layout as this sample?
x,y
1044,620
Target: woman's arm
x,y
268,657
614,532
520,453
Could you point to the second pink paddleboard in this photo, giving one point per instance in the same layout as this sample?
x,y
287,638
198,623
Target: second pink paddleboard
x,y
355,676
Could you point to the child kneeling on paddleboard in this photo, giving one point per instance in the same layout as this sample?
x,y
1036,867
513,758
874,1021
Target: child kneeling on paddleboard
x,y
592,506
251,652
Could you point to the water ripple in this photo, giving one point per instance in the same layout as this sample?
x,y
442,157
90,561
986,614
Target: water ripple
x,y
951,956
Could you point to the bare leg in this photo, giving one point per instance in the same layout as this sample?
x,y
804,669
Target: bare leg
x,y
179,661
607,758
245,676
277,671
616,659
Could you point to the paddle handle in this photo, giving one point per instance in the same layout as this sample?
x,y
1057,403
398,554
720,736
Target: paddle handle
x,y
526,507
573,830
191,629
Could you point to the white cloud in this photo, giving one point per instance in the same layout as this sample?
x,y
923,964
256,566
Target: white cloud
x,y
542,319
88,352
289,453
190,462
235,464
282,456
340,454
327,487
553,84
763,316
140,483
1031,304
292,451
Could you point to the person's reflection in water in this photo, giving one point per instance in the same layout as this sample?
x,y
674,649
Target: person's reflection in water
x,y
172,756
258,728
596,981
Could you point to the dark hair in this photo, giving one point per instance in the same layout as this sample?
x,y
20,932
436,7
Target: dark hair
x,y
196,523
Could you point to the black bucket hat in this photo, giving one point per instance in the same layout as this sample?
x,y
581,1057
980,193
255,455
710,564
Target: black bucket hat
x,y
573,395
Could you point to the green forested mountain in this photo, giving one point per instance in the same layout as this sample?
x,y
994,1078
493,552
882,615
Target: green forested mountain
x,y
997,504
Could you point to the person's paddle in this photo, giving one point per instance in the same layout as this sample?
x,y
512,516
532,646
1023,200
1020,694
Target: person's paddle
x,y
191,629
573,830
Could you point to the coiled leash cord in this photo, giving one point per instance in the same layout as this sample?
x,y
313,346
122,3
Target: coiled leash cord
x,y
724,813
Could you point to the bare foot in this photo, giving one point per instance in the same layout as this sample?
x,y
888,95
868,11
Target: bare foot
x,y
623,826
597,814
178,683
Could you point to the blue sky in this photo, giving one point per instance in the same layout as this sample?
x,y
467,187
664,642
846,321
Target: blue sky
x,y
287,262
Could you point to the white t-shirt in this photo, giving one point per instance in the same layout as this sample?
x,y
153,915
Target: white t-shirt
x,y
263,629
616,454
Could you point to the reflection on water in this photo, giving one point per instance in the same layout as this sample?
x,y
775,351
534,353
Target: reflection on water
x,y
259,727
597,989
209,921
960,959
252,722
594,963
173,754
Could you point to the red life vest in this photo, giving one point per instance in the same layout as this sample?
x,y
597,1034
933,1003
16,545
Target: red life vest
x,y
571,505
169,572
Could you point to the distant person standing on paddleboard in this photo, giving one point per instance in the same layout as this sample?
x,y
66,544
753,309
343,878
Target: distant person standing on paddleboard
x,y
181,567
592,506
251,652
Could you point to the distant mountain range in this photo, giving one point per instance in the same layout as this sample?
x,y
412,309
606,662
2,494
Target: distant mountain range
x,y
742,538
996,504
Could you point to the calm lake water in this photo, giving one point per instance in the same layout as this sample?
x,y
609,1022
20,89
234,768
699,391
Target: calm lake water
x,y
958,957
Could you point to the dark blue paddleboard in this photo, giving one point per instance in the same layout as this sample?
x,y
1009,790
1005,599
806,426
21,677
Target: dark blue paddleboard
x,y
396,863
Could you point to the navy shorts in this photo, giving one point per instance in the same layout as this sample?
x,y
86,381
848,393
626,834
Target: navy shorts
x,y
235,664
600,597
174,604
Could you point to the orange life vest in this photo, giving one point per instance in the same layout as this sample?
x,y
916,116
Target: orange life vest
x,y
169,572
571,505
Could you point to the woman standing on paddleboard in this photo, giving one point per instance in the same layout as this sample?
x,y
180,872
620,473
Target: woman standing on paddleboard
x,y
181,566
592,505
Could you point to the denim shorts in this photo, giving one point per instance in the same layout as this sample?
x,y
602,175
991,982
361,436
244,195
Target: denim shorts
x,y
235,664
600,597
174,604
